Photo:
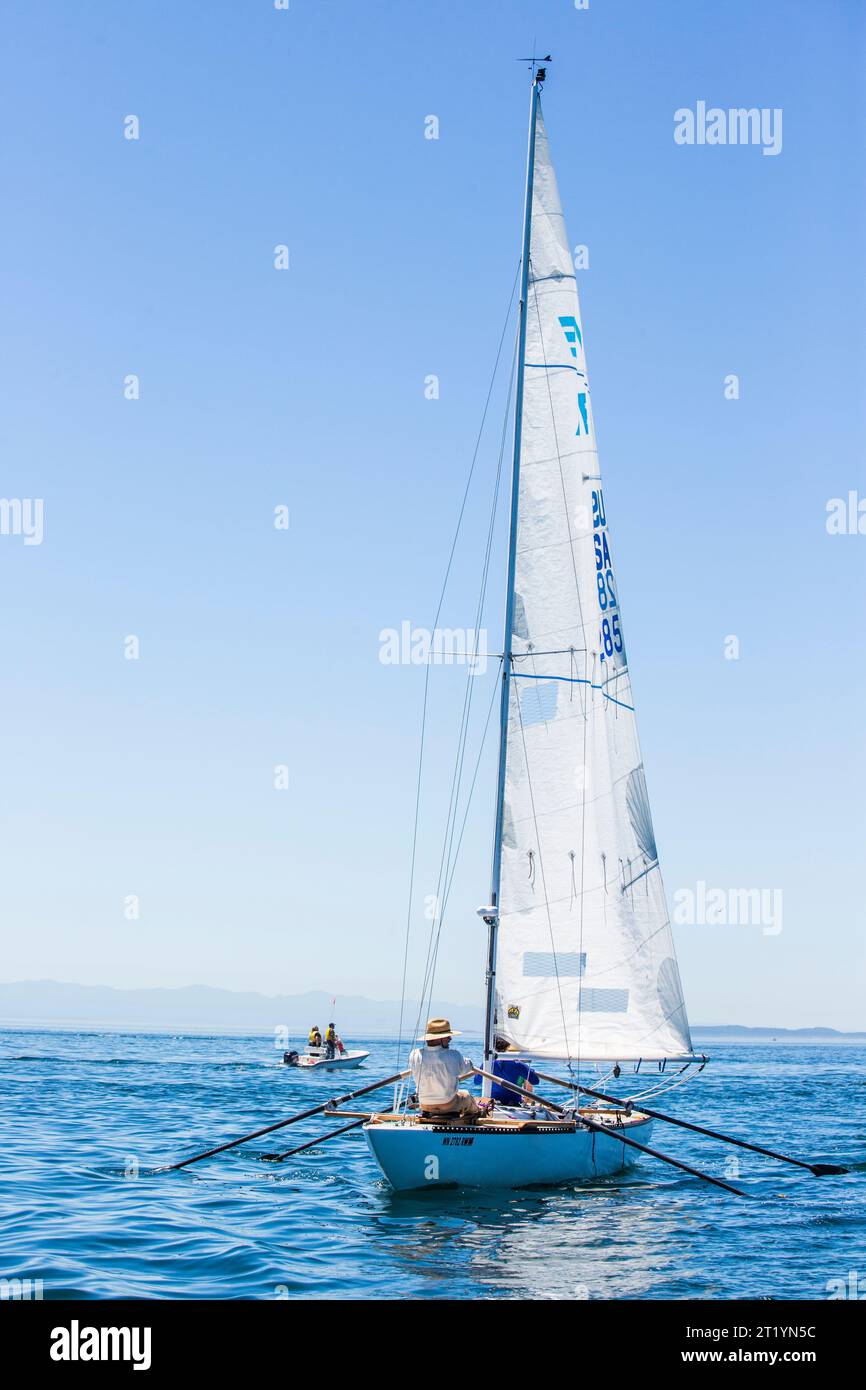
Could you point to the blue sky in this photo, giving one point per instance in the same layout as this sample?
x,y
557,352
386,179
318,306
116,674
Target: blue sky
x,y
306,388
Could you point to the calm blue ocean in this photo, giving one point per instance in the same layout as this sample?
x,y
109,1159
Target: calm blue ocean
x,y
85,1115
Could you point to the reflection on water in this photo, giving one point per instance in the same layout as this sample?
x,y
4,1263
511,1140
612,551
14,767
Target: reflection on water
x,y
614,1239
87,1118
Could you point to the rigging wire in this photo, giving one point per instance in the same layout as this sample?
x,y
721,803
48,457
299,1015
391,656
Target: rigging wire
x,y
680,1078
436,925
453,866
418,783
493,699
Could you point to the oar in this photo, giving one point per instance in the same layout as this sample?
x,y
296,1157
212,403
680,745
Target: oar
x,y
281,1124
313,1143
361,1119
820,1170
612,1133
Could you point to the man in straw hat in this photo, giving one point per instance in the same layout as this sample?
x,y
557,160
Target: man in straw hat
x,y
436,1069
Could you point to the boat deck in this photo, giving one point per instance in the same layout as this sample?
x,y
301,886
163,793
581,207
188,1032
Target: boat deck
x,y
508,1123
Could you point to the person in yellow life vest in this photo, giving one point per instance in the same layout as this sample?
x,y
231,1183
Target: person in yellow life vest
x,y
330,1040
315,1038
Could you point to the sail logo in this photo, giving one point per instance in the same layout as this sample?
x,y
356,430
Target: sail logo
x,y
737,126
77,1343
571,329
729,907
574,338
441,646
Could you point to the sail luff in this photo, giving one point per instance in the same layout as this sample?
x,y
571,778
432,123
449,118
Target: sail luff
x,y
512,550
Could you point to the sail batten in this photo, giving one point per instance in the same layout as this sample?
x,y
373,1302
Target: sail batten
x,y
585,963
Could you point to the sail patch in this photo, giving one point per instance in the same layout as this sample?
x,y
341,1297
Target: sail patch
x,y
603,1001
670,993
637,804
519,625
538,703
546,964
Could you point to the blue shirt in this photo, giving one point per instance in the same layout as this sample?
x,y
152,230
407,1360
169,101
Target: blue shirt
x,y
510,1070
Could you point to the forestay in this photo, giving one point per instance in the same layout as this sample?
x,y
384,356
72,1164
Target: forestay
x,y
585,958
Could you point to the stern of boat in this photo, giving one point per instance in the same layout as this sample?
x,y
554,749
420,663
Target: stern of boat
x,y
413,1154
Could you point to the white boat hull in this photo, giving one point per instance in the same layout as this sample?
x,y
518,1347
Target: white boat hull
x,y
413,1155
338,1063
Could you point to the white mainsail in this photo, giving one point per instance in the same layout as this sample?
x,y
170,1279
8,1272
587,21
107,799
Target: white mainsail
x,y
585,963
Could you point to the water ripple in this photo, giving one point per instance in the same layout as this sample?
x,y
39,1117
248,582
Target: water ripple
x,y
90,1118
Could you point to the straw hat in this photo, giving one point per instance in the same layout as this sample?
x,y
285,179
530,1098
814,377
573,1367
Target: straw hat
x,y
439,1028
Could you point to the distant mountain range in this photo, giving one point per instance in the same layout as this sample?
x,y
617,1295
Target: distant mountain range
x,y
735,1030
198,1008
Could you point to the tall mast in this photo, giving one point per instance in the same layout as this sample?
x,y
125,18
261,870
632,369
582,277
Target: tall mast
x,y
491,917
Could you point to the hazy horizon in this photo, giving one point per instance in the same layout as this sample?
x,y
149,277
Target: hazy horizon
x,y
353,1008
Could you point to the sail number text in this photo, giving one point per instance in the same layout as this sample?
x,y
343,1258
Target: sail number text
x,y
610,635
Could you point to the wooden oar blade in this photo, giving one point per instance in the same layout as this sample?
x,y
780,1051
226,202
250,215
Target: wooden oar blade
x,y
281,1124
819,1170
611,1132
313,1143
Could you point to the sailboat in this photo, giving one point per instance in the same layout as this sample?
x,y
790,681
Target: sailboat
x,y
581,964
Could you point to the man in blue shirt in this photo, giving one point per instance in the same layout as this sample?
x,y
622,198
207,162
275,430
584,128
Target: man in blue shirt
x,y
511,1069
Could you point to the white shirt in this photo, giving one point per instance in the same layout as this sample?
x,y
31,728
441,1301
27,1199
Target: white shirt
x,y
436,1071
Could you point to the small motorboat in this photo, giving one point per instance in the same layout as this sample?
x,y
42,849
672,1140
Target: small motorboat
x,y
319,1057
